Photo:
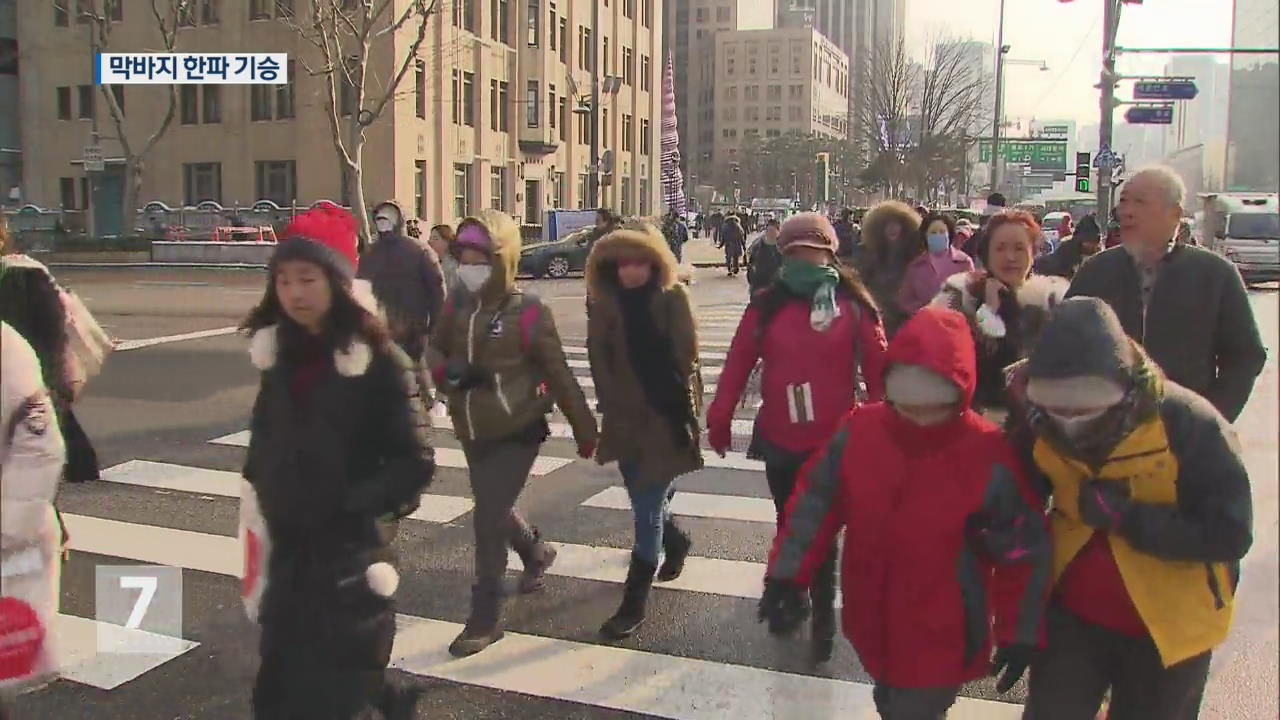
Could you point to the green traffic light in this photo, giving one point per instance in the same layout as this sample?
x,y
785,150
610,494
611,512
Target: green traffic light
x,y
1082,185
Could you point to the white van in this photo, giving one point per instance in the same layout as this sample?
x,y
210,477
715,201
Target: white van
x,y
1245,227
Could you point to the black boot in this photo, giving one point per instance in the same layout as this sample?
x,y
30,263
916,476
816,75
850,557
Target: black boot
x,y
537,555
822,595
635,594
675,549
484,626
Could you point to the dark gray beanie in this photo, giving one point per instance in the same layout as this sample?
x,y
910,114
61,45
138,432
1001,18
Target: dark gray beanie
x,y
1082,337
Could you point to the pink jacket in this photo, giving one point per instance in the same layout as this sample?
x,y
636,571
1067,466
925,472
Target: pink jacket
x,y
926,274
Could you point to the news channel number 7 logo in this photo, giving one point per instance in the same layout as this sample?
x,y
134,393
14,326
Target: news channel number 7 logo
x,y
191,69
138,609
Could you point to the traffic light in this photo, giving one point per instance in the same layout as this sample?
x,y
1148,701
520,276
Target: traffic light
x,y
1082,172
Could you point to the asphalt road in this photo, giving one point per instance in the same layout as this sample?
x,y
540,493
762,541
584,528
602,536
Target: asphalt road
x,y
171,501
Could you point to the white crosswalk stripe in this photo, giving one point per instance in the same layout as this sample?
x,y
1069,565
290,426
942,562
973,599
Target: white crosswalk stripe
x,y
620,678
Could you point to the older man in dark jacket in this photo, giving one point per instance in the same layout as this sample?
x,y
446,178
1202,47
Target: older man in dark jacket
x,y
406,279
1187,306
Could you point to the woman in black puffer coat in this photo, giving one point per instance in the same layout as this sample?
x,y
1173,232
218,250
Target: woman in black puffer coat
x,y
338,452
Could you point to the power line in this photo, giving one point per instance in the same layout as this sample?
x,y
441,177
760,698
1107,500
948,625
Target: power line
x,y
1063,73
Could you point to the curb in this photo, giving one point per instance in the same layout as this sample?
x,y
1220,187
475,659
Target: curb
x,y
156,265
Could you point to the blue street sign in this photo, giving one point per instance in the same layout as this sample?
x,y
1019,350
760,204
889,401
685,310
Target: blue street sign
x,y
1149,115
1165,90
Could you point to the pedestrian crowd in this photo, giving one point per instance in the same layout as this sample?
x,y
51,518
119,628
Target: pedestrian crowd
x,y
1030,454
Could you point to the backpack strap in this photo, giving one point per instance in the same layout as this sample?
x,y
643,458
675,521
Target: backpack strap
x,y
530,314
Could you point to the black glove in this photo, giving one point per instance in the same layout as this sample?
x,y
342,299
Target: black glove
x,y
462,376
784,606
1010,663
1103,504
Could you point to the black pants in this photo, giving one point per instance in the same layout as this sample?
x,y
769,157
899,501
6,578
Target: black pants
x,y
1082,661
732,258
913,703
780,470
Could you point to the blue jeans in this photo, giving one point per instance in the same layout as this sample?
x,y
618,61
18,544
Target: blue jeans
x,y
651,507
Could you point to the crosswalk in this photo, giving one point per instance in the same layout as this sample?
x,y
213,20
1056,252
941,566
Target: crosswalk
x,y
590,674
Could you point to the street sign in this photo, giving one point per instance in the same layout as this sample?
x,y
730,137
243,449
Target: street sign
x,y
1105,159
1039,154
1168,89
93,159
1149,115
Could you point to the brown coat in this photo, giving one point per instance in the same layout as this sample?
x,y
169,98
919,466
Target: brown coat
x,y
882,267
632,430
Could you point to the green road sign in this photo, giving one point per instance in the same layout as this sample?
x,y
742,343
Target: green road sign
x,y
1039,154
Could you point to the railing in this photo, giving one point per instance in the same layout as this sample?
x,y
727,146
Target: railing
x,y
158,221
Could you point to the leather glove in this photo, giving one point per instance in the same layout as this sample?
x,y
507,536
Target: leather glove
x,y
587,450
461,377
1103,504
784,606
719,437
1010,663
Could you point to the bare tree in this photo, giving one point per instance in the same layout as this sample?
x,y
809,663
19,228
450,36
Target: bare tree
x,y
167,15
889,85
953,96
347,34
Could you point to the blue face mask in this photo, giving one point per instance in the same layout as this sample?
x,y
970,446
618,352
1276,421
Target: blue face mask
x,y
938,243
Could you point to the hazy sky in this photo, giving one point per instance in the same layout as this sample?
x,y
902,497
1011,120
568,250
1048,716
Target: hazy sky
x,y
1067,36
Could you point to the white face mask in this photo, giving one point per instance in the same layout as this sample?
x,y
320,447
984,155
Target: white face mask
x,y
473,277
383,224
1072,426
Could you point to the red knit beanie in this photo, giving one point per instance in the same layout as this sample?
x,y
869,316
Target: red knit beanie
x,y
324,235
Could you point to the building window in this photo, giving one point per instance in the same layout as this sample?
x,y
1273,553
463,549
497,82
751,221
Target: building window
x,y
775,93
494,107
189,101
557,190
604,55
752,114
348,98
260,102
796,92
464,15
285,95
535,17
260,9
284,9
212,101
646,79
455,81
564,40
420,188
461,190
60,14
420,88
626,132
753,93
277,181
210,12
773,113
201,181
629,8
605,127
724,14
468,99
584,128
551,106
118,92
86,102
500,24
564,118
626,196
67,189
700,15
628,66
498,188
551,30
584,48
531,105
64,102
795,112
731,92
504,105
644,197
645,139
582,191
646,13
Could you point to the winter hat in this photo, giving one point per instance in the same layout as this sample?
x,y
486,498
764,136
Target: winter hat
x,y
473,235
1088,228
1082,359
324,235
916,385
809,229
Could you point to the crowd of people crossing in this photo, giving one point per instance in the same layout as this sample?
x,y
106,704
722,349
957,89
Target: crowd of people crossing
x,y
1029,453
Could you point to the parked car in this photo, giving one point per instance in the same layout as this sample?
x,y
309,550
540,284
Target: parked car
x,y
558,259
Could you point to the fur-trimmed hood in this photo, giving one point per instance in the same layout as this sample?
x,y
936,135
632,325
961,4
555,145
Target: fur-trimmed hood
x,y
1043,292
504,235
631,241
879,217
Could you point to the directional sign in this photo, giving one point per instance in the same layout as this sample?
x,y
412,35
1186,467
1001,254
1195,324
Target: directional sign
x,y
1039,154
1165,90
1149,115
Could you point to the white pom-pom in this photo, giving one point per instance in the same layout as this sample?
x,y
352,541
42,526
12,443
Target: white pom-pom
x,y
382,578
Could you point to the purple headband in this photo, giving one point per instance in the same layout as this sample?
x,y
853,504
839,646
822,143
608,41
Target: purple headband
x,y
475,237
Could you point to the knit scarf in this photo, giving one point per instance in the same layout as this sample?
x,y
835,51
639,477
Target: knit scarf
x,y
816,282
652,357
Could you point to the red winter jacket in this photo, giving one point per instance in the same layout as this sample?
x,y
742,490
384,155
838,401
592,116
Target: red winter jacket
x,y
792,417
943,538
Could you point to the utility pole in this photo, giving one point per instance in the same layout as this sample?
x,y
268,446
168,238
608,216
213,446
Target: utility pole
x,y
90,222
999,109
593,179
1107,88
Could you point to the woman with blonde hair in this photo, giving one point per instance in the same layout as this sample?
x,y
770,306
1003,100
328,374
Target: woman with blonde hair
x,y
494,351
644,360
